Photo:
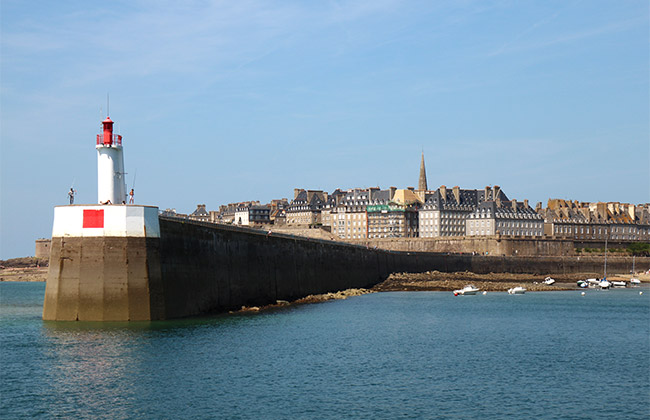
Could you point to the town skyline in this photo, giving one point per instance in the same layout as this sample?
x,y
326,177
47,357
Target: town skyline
x,y
221,103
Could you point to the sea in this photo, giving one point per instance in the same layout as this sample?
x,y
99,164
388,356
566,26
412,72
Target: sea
x,y
395,355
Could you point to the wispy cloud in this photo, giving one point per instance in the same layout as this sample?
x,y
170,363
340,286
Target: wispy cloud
x,y
518,45
189,38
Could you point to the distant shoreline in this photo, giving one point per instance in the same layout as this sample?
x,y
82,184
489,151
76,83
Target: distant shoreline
x,y
28,274
492,282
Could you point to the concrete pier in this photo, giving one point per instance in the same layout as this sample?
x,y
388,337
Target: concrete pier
x,y
139,266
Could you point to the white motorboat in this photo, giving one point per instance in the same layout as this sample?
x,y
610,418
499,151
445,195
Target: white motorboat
x,y
618,283
549,281
467,290
593,283
605,284
582,284
517,291
635,281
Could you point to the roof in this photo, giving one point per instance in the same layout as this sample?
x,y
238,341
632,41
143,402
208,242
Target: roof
x,y
406,197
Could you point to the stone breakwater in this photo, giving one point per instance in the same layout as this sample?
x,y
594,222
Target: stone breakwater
x,y
324,297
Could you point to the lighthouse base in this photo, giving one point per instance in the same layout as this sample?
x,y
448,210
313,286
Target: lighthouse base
x,y
103,279
104,264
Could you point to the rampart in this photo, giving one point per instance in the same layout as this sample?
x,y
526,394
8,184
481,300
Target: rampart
x,y
194,268
492,245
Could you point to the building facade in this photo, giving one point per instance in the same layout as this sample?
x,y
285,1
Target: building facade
x,y
596,221
305,209
446,210
251,215
392,221
510,218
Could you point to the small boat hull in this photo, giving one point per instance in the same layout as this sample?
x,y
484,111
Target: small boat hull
x,y
517,291
467,290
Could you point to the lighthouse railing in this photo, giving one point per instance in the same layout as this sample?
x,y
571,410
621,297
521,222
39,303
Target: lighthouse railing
x,y
117,140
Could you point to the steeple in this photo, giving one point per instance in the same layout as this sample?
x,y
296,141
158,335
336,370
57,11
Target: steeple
x,y
422,184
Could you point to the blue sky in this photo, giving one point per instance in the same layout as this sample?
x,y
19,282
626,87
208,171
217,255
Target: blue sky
x,y
222,101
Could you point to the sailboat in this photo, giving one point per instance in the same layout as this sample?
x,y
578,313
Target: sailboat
x,y
634,281
604,284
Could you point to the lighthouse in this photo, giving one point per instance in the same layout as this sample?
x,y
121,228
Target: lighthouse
x,y
111,186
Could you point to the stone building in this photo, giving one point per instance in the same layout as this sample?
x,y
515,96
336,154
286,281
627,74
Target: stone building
x,y
226,212
200,214
392,220
251,215
509,218
596,221
43,248
305,209
172,213
349,218
332,201
445,211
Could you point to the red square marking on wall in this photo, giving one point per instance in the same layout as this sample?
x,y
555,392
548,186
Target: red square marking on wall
x,y
93,218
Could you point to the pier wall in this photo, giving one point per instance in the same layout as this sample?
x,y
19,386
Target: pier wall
x,y
207,267
188,268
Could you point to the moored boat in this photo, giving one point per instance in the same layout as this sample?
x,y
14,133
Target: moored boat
x,y
517,290
582,284
467,290
549,281
635,281
592,283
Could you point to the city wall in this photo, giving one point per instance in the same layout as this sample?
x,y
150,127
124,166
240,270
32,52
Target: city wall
x,y
492,245
194,268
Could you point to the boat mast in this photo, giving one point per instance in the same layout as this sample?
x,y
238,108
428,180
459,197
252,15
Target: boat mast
x,y
605,271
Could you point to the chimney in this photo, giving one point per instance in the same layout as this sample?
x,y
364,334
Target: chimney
x,y
525,203
514,204
296,191
487,194
496,192
392,192
456,191
443,193
410,188
538,207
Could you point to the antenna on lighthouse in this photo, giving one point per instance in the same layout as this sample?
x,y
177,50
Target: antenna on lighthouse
x,y
108,112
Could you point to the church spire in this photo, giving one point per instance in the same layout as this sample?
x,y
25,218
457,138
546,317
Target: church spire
x,y
422,184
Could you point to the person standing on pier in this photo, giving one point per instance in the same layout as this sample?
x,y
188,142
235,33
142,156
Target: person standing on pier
x,y
71,194
131,194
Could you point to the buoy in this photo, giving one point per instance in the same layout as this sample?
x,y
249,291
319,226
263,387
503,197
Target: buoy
x,y
455,294
484,292
583,293
640,293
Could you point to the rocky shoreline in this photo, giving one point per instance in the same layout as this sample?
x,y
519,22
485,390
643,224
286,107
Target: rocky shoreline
x,y
491,282
32,274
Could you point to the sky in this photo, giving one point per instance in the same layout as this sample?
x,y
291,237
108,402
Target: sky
x,y
228,101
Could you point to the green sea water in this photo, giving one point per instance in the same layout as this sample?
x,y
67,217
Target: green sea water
x,y
400,355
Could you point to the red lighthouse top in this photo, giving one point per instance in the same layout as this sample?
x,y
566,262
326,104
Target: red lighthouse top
x,y
108,138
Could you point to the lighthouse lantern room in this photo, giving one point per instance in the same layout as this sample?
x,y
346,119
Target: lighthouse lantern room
x,y
111,186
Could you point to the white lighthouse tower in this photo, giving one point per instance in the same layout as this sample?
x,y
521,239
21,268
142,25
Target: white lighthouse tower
x,y
111,186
